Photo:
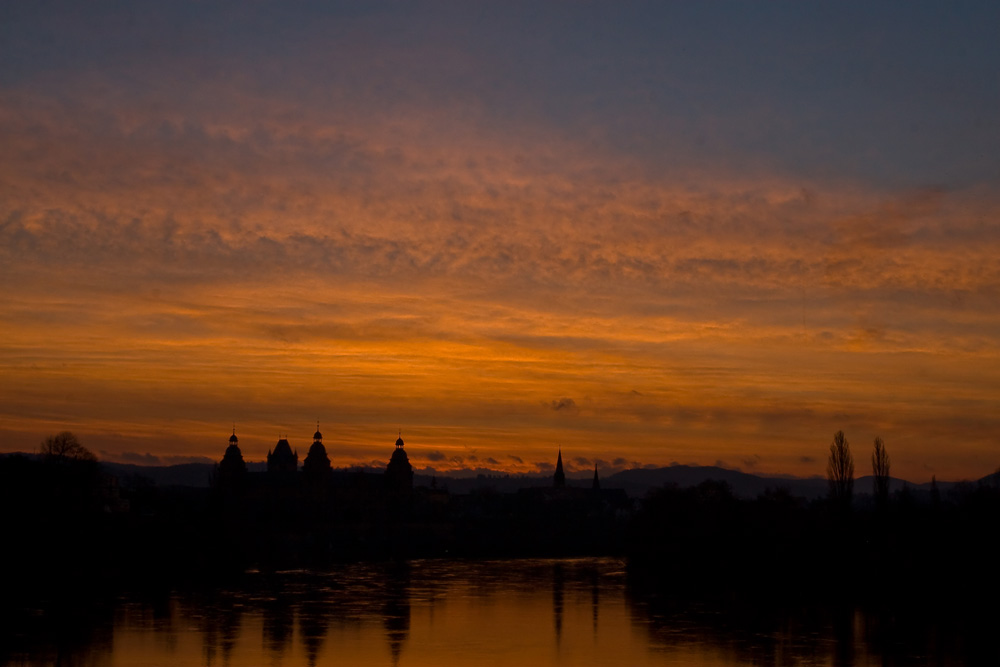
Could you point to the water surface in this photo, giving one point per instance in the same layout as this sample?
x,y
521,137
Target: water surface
x,y
441,613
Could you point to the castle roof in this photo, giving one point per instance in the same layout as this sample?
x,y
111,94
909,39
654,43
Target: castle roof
x,y
283,448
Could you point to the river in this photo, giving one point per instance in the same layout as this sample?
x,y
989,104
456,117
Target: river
x,y
441,613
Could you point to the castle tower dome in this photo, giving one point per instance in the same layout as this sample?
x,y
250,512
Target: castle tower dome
x,y
399,472
317,464
232,464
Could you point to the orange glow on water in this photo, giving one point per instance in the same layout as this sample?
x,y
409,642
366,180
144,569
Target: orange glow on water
x,y
455,621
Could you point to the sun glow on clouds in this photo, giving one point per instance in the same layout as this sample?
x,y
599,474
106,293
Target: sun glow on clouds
x,y
177,263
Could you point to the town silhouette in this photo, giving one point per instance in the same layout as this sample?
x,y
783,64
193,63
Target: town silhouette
x,y
81,533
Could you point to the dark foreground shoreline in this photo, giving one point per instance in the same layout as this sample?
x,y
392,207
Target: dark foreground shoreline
x,y
62,539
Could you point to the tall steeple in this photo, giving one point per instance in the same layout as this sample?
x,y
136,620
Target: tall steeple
x,y
559,479
597,481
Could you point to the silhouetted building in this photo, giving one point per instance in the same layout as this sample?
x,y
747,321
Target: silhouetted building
x,y
285,515
559,479
399,472
231,474
232,467
317,463
282,460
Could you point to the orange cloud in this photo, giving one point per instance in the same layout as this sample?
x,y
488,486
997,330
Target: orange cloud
x,y
171,274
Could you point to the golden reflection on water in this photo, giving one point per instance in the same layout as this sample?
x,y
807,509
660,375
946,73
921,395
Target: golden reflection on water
x,y
442,613
570,612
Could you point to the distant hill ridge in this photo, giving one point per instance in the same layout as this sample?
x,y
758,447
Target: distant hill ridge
x,y
637,482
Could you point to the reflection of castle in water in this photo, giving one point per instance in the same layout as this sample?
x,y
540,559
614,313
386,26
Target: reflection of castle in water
x,y
279,623
303,606
396,609
221,627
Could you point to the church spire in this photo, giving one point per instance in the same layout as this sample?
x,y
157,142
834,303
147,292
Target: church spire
x,y
597,480
559,479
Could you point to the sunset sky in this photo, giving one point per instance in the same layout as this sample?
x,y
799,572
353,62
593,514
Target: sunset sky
x,y
644,232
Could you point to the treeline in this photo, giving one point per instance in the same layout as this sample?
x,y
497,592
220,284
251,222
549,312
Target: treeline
x,y
69,524
905,544
68,529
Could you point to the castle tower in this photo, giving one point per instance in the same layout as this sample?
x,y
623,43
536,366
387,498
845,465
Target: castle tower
x,y
317,463
282,460
399,472
232,465
232,461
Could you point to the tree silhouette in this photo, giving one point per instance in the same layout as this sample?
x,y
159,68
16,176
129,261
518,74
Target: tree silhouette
x,y
840,470
65,447
880,472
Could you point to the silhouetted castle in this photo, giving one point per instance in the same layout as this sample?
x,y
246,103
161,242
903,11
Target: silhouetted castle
x,y
399,472
291,512
232,467
317,464
316,472
282,460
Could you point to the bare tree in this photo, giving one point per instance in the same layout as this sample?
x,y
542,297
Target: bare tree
x,y
65,447
880,472
840,470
